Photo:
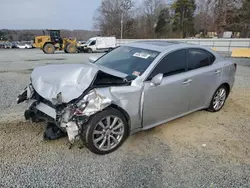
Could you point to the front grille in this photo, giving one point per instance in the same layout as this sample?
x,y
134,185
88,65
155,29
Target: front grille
x,y
39,98
49,103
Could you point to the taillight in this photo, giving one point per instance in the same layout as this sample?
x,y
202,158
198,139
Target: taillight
x,y
235,66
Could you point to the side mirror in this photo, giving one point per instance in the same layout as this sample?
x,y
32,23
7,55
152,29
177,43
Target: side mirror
x,y
157,79
92,59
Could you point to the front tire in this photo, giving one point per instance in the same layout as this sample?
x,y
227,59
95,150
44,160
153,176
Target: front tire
x,y
49,48
219,99
71,48
106,131
90,50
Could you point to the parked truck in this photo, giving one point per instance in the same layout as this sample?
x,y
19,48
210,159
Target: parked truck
x,y
98,44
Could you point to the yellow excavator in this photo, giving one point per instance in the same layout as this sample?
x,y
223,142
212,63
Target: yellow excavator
x,y
53,41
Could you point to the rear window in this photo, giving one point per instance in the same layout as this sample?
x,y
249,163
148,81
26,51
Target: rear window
x,y
198,58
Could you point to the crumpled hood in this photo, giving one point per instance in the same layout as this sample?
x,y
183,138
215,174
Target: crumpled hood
x,y
69,79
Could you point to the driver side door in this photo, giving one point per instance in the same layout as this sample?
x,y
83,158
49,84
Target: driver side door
x,y
92,45
170,98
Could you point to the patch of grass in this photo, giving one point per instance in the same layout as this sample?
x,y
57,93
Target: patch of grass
x,y
27,71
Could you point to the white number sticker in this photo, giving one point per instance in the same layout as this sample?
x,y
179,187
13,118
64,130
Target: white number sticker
x,y
141,55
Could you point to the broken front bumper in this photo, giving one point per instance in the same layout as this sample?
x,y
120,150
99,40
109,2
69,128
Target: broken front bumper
x,y
26,94
70,117
38,111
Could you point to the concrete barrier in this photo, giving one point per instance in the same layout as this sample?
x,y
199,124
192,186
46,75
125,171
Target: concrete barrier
x,y
221,45
240,52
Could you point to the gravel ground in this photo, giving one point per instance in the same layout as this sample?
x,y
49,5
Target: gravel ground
x,y
200,150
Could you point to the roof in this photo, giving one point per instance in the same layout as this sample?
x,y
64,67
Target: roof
x,y
163,45
156,45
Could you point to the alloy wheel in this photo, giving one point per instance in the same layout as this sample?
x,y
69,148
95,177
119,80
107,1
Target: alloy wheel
x,y
219,98
108,133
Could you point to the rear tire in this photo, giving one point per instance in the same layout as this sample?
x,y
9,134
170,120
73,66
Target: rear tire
x,y
219,99
71,48
49,48
90,50
103,138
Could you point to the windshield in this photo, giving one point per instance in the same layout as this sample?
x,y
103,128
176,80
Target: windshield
x,y
88,42
54,33
129,60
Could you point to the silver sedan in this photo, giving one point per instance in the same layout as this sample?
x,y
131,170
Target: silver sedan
x,y
132,88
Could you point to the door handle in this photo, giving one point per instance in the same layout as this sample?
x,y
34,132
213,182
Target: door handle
x,y
188,81
217,72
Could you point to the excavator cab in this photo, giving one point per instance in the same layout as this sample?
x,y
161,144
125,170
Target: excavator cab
x,y
55,36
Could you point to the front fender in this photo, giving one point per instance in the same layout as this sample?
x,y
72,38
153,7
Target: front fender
x,y
128,98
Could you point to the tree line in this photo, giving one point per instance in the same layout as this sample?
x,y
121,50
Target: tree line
x,y
178,19
157,19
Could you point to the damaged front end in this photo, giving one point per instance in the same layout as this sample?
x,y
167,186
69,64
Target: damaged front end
x,y
68,118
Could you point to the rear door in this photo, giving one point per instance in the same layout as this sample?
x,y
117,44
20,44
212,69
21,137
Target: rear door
x,y
205,73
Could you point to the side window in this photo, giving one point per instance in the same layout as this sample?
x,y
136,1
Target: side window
x,y
198,58
93,43
171,64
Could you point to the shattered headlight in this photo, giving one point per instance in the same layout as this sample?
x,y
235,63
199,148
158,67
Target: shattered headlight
x,y
82,104
90,96
77,109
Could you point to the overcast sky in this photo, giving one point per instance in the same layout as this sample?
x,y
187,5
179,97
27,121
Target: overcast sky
x,y
45,14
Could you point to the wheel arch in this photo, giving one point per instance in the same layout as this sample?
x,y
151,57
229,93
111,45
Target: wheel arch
x,y
89,50
222,84
227,86
47,43
126,115
88,129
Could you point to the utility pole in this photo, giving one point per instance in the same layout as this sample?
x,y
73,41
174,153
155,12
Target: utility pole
x,y
122,25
